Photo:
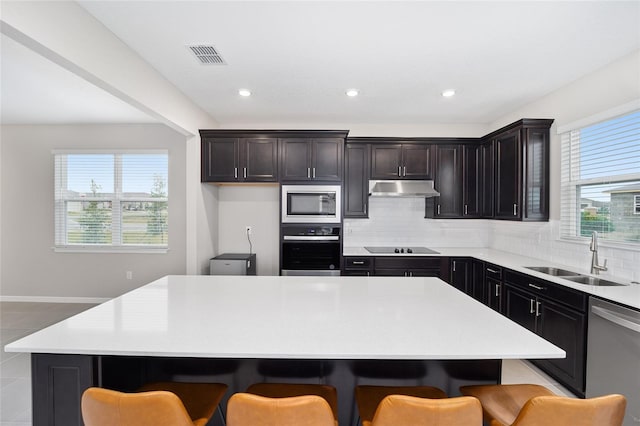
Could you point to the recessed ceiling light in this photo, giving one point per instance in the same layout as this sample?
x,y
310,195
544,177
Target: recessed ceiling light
x,y
448,93
244,92
352,93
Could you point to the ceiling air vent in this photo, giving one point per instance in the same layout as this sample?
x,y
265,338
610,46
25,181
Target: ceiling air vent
x,y
207,54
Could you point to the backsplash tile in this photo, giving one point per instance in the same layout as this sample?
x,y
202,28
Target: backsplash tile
x,y
400,221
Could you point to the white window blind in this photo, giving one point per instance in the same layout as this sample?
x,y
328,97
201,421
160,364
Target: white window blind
x,y
113,200
600,180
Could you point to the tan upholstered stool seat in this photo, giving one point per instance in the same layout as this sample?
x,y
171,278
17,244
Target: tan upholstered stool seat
x,y
285,390
199,399
533,405
369,397
402,410
246,409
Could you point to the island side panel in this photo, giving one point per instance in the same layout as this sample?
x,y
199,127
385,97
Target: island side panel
x,y
58,382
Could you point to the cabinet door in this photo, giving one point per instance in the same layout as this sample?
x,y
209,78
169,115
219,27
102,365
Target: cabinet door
x,y
416,161
259,160
536,185
476,280
488,179
386,161
494,290
566,329
423,272
327,159
448,181
356,180
220,159
520,306
471,181
295,159
384,272
460,271
508,176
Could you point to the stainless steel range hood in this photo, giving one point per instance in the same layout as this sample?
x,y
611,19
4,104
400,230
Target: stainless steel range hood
x,y
402,188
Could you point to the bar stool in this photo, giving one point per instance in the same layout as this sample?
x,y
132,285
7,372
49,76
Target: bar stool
x,y
403,410
105,407
529,405
246,409
368,398
287,390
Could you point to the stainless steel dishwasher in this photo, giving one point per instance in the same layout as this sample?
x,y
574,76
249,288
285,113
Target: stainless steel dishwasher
x,y
613,355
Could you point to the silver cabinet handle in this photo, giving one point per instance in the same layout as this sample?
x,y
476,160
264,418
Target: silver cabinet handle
x,y
399,171
245,172
492,270
358,262
532,309
308,173
537,287
454,266
314,172
410,274
438,208
497,290
235,172
538,312
404,171
365,208
515,209
368,273
611,316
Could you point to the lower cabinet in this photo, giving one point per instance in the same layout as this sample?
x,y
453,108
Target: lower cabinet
x,y
556,314
493,287
357,266
467,275
393,266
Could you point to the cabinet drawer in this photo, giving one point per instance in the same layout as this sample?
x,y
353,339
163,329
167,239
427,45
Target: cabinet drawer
x,y
357,262
493,271
407,263
549,290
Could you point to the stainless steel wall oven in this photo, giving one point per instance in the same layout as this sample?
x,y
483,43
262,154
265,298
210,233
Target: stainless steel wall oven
x,y
310,250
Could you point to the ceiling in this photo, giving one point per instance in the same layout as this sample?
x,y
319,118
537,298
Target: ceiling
x,y
298,59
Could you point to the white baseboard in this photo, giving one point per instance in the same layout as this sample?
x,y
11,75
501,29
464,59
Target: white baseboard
x,y
54,299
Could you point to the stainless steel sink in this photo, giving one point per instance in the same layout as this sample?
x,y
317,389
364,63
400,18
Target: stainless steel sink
x,y
583,279
556,272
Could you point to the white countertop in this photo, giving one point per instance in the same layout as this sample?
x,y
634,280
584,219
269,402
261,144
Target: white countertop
x,y
292,317
628,295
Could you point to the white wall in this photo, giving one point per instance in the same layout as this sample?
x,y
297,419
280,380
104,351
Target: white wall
x,y
29,265
255,206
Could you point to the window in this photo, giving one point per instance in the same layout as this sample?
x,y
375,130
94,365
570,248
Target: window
x,y
601,180
111,200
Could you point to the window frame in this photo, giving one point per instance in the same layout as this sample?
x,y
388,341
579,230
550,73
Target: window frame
x,y
636,204
61,243
570,184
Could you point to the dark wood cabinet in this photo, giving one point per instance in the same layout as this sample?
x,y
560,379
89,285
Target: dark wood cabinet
x,y
448,181
487,174
401,161
409,266
234,159
318,159
477,285
460,274
557,314
356,180
521,180
357,266
493,287
472,186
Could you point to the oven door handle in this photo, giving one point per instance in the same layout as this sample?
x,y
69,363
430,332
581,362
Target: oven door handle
x,y
306,238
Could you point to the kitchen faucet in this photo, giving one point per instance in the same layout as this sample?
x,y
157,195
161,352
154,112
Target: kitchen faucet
x,y
595,267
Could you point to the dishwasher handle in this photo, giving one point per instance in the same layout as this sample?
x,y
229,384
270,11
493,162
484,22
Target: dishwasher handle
x,y
611,316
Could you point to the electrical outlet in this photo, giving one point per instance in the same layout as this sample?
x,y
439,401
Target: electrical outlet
x,y
129,275
248,230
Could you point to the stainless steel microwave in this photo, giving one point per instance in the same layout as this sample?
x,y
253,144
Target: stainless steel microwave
x,y
311,203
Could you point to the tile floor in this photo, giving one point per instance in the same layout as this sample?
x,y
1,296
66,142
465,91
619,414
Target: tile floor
x,y
18,319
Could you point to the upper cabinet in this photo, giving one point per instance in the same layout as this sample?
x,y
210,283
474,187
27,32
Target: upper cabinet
x,y
521,165
234,159
317,159
401,161
448,181
271,155
356,180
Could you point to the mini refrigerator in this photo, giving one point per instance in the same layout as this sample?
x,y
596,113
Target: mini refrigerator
x,y
233,264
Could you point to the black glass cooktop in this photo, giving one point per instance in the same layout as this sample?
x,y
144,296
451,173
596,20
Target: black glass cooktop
x,y
400,250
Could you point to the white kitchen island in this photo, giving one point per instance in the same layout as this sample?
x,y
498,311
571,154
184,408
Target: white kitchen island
x,y
239,330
